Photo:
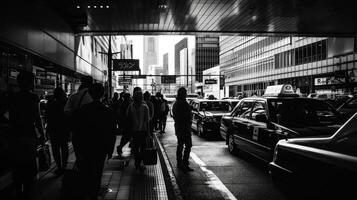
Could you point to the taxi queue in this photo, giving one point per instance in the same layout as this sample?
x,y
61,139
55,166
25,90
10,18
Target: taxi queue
x,y
294,135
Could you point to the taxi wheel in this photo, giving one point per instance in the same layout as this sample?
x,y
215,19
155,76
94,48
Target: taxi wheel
x,y
232,147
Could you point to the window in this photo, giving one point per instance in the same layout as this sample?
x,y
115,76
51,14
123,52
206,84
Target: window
x,y
259,109
300,113
215,106
244,109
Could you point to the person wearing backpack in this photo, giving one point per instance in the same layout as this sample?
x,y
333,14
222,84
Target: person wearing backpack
x,y
164,111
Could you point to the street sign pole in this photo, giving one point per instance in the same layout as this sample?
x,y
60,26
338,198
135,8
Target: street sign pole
x,y
109,54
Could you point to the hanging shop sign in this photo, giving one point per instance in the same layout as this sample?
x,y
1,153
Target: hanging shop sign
x,y
126,81
126,65
210,81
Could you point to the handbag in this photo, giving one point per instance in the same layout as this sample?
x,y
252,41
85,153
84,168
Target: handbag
x,y
44,157
150,152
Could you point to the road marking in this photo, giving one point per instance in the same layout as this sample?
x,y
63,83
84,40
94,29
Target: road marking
x,y
213,180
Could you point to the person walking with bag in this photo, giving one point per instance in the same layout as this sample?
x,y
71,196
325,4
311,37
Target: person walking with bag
x,y
96,132
138,115
24,119
57,128
183,119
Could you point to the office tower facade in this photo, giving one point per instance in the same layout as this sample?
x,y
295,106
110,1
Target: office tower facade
x,y
178,47
207,54
309,64
150,55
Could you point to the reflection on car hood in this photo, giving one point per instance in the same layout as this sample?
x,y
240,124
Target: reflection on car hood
x,y
317,130
214,113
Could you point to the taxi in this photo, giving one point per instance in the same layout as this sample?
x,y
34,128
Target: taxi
x,y
318,165
207,114
258,123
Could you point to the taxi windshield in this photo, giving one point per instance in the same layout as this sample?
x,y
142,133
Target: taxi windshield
x,y
215,106
301,112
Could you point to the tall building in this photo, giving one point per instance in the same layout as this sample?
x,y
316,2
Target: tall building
x,y
150,55
207,54
165,64
126,49
310,64
178,47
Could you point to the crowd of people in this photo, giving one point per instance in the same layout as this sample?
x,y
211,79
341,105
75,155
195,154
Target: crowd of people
x,y
91,122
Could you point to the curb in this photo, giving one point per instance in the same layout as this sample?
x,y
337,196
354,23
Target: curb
x,y
170,180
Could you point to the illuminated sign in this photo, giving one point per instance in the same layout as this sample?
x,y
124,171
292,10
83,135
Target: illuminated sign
x,y
126,65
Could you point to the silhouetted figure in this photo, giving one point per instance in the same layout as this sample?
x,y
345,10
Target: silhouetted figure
x,y
183,119
24,118
95,131
164,111
156,103
75,102
124,124
115,101
138,115
57,127
150,105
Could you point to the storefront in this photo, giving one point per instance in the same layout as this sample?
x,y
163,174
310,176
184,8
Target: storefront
x,y
338,82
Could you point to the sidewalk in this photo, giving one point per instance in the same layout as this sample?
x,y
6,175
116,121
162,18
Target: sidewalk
x,y
119,181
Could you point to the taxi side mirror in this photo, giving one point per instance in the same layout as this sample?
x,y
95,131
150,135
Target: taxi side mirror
x,y
261,118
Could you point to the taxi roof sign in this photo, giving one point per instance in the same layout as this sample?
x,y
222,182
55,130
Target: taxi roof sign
x,y
280,90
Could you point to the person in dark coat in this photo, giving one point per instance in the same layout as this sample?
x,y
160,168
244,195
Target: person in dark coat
x,y
138,116
150,105
164,111
183,119
96,133
57,128
124,124
24,119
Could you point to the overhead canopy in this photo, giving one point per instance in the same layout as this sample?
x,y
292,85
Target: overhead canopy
x,y
304,17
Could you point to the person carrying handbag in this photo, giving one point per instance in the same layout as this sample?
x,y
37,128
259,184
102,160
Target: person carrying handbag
x,y
138,115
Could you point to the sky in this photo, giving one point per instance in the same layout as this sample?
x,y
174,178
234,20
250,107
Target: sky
x,y
166,45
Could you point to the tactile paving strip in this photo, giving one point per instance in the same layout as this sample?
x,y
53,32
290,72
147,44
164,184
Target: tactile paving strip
x,y
123,182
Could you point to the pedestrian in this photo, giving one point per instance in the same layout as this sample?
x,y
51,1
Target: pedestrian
x,y
96,133
155,119
24,120
138,114
57,128
124,124
115,101
75,102
147,96
164,111
183,119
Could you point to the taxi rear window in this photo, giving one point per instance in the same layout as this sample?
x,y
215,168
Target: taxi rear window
x,y
215,106
301,112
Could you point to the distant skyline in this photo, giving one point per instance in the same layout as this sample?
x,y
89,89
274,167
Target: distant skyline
x,y
166,45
